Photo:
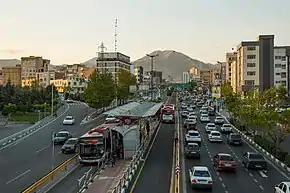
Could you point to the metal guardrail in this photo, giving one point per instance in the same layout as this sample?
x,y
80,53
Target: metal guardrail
x,y
50,176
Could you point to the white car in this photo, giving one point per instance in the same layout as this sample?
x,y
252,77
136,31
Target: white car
x,y
204,118
283,187
110,118
184,114
203,109
200,177
191,117
183,106
190,109
193,137
69,120
219,120
210,127
215,136
204,112
226,128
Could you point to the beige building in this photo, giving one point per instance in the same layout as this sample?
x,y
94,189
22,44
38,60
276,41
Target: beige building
x,y
60,84
230,57
7,63
12,74
206,77
76,84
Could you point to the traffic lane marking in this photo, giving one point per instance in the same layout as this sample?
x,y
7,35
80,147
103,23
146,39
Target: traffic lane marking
x,y
19,176
42,149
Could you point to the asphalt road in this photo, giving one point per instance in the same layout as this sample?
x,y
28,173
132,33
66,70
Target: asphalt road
x,y
11,129
70,184
156,174
242,181
30,159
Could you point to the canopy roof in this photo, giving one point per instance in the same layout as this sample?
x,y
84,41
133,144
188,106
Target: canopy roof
x,y
134,109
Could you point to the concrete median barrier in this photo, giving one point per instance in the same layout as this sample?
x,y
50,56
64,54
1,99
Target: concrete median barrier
x,y
54,176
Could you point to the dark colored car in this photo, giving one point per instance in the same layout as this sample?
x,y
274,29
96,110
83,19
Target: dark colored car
x,y
61,137
70,146
223,161
234,139
192,150
211,112
253,160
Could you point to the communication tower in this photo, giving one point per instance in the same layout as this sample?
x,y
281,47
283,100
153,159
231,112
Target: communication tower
x,y
115,35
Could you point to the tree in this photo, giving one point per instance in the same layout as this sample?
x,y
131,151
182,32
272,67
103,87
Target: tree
x,y
100,91
124,80
227,90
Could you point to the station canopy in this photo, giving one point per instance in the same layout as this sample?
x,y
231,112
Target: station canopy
x,y
134,109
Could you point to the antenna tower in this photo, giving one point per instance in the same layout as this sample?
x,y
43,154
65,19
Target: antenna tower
x,y
116,41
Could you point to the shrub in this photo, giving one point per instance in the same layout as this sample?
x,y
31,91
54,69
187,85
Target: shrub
x,y
287,160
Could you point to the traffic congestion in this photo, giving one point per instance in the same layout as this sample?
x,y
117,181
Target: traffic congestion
x,y
215,158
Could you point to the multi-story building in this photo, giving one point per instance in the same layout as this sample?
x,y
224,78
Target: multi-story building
x,y
76,84
12,74
7,63
255,60
230,58
281,66
233,74
32,65
60,84
157,77
138,72
185,77
206,77
112,62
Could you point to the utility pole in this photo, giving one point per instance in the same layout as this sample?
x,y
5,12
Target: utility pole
x,y
151,85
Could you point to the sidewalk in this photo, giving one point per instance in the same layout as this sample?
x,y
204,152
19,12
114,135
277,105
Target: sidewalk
x,y
104,181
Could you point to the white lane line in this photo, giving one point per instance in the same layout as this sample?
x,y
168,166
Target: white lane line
x,y
226,191
218,173
42,149
73,134
17,177
224,186
251,174
261,187
255,180
60,152
220,179
263,174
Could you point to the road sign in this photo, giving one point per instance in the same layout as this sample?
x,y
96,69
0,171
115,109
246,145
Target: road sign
x,y
177,170
181,85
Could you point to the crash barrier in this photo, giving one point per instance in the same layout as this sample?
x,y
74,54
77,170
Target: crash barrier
x,y
88,177
268,155
25,132
50,176
95,114
125,181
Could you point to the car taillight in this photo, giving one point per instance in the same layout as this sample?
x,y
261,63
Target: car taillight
x,y
220,163
234,163
193,181
209,182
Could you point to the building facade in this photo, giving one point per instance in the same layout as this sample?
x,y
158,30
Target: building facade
x,y
206,77
12,74
281,66
185,77
139,73
230,58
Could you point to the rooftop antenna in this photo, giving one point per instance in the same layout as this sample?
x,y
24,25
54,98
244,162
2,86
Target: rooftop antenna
x,y
116,41
102,49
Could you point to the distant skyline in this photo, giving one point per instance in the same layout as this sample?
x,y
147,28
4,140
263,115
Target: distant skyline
x,y
70,31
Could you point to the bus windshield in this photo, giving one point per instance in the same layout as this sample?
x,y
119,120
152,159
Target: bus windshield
x,y
92,150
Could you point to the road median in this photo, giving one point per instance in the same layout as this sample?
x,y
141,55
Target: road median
x,y
44,183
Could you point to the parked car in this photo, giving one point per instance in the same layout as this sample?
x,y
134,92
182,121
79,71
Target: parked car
x,y
253,160
192,150
224,161
193,137
215,136
200,177
234,139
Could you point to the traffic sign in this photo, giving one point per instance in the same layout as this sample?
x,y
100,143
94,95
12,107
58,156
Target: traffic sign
x,y
181,85
177,170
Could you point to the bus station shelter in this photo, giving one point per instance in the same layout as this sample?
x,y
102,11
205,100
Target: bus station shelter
x,y
134,115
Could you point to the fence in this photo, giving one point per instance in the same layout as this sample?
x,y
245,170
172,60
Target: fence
x,y
37,186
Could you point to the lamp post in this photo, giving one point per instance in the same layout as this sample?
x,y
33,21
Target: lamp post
x,y
151,85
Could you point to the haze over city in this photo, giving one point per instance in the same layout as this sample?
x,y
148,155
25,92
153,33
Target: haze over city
x,y
69,31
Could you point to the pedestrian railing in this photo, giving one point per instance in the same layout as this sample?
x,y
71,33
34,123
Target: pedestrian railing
x,y
88,177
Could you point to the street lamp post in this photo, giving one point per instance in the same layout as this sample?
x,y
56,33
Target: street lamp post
x,y
151,85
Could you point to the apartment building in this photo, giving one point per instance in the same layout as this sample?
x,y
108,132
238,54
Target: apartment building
x,y
7,63
60,84
76,84
206,77
138,73
185,77
112,62
230,58
281,66
254,66
12,74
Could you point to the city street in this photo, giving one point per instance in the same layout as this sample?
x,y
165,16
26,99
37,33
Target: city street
x,y
27,160
242,181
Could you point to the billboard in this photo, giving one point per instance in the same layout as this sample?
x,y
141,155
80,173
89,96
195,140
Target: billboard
x,y
216,92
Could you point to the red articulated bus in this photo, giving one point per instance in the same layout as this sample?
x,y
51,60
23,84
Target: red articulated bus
x,y
168,113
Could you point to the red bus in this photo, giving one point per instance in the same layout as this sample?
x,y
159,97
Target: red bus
x,y
168,114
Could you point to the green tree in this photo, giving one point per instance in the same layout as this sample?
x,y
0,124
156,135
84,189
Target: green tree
x,y
227,90
100,91
124,80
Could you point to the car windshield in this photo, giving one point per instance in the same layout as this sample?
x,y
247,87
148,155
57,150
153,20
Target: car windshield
x,y
227,125
226,158
211,125
68,118
256,156
215,134
204,116
61,135
201,173
236,136
71,141
192,147
195,134
219,118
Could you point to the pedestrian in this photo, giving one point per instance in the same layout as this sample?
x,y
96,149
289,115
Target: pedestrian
x,y
114,159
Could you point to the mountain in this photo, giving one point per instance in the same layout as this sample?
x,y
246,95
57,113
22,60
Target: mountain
x,y
171,63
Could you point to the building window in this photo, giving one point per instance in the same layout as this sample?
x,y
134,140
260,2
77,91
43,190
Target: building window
x,y
251,56
283,58
277,65
251,65
278,82
249,82
283,75
278,57
283,83
251,73
251,48
283,66
278,74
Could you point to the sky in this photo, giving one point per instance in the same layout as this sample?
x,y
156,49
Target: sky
x,y
70,31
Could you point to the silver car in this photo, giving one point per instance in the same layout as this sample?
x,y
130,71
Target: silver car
x,y
70,146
